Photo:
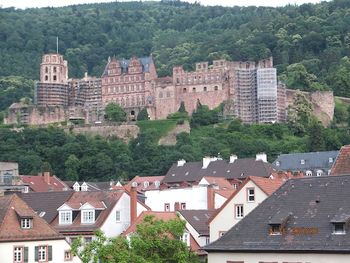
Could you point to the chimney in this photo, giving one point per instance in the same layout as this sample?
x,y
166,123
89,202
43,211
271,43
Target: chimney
x,y
133,205
207,160
47,177
233,158
261,157
181,162
210,197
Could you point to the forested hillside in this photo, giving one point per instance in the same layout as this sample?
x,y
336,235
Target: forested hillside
x,y
309,43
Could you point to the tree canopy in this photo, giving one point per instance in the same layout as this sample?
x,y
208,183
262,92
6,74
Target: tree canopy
x,y
155,241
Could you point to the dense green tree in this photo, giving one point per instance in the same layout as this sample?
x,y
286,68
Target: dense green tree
x,y
114,112
155,241
72,165
143,115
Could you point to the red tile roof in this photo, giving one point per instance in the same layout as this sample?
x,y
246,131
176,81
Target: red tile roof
x,y
221,182
140,180
37,183
342,163
12,208
165,216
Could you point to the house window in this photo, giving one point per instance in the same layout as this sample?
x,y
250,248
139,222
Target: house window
x,y
183,206
275,229
117,216
157,184
185,238
88,217
234,186
302,161
207,240
251,194
18,254
277,163
68,255
145,184
308,173
65,217
330,160
167,207
239,211
339,229
87,240
26,223
41,254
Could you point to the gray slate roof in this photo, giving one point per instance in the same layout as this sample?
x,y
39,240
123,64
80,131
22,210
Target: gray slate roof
x,y
313,203
313,161
124,64
239,169
47,202
198,219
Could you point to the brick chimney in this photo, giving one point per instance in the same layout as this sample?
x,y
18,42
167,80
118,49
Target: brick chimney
x,y
210,197
133,204
47,177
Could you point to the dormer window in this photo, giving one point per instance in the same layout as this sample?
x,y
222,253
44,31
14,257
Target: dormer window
x,y
84,187
65,217
277,163
302,161
330,159
278,223
88,216
319,173
145,184
134,184
275,229
157,184
26,223
76,187
308,173
339,228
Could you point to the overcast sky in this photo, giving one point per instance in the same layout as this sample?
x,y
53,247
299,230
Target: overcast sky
x,y
44,3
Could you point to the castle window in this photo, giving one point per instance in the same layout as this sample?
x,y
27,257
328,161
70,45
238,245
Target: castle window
x,y
54,78
216,88
205,89
46,78
194,89
184,90
177,80
54,70
46,70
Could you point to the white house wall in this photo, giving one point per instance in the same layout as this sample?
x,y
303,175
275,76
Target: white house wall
x,y
111,227
58,249
278,258
226,217
219,201
195,198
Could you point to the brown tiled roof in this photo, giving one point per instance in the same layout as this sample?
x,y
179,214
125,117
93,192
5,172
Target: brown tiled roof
x,y
342,163
48,207
225,193
140,182
38,184
109,199
11,209
267,185
198,219
165,216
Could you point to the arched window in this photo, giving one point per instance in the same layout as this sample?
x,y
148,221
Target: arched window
x,y
134,184
308,173
205,89
319,173
46,78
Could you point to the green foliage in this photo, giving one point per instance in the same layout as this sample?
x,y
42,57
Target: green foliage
x,y
72,165
12,89
160,127
114,112
155,241
203,116
341,114
143,115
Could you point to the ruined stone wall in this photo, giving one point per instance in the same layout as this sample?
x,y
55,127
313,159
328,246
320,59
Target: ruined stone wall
x,y
322,102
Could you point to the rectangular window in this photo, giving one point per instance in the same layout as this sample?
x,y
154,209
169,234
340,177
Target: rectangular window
x,y
65,217
250,194
88,217
18,254
117,216
26,223
167,207
239,211
42,253
339,229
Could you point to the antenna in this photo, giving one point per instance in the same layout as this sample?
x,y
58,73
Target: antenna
x,y
57,44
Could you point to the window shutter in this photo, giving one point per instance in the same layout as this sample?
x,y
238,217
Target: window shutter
x,y
50,253
25,256
36,255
